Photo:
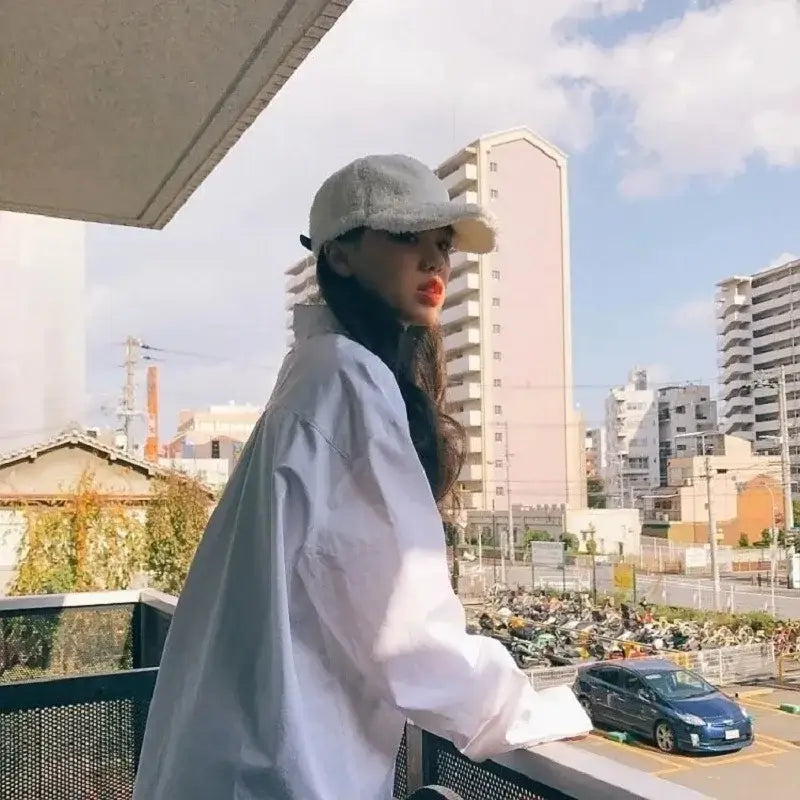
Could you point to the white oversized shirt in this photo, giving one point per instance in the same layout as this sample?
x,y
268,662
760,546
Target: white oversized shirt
x,y
318,614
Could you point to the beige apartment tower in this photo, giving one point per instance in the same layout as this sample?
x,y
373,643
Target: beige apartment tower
x,y
507,327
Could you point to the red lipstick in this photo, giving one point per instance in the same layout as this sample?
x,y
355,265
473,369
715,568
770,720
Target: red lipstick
x,y
432,291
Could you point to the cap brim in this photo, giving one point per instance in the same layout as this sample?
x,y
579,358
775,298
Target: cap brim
x,y
475,230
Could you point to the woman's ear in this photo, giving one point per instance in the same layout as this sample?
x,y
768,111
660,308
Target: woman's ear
x,y
338,255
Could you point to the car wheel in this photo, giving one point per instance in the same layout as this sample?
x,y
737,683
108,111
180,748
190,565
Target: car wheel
x,y
665,738
587,705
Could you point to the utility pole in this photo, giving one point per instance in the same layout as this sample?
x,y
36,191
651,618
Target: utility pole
x,y
127,410
712,519
502,548
510,540
786,470
712,529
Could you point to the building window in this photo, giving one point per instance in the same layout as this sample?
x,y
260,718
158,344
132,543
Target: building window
x,y
492,166
498,437
495,328
495,301
494,194
498,409
498,463
680,409
497,382
680,430
215,448
499,490
497,356
496,274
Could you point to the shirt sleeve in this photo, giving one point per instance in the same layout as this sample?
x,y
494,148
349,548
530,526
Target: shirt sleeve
x,y
375,569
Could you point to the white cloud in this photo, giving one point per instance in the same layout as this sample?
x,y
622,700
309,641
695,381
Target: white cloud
x,y
696,314
707,92
783,258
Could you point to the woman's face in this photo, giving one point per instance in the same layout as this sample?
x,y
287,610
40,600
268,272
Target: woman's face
x,y
408,271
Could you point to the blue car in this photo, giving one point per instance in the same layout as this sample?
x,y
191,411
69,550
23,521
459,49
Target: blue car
x,y
658,700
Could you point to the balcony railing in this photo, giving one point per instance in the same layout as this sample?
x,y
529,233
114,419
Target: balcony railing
x,y
77,675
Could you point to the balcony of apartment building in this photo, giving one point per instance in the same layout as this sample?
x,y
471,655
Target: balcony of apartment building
x,y
459,313
462,178
463,262
465,284
460,339
468,419
735,335
463,366
463,393
76,678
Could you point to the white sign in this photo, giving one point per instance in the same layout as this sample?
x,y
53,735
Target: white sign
x,y
604,577
547,554
696,557
794,571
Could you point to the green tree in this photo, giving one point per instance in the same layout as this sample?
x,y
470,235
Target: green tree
x,y
536,536
176,518
744,541
595,491
591,547
86,543
570,541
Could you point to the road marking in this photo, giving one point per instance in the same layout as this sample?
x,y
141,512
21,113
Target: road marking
x,y
774,740
761,706
761,763
748,693
642,751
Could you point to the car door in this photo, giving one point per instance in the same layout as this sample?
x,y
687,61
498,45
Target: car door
x,y
638,710
606,695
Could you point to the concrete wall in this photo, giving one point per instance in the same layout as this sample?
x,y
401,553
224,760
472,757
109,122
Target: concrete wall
x,y
617,531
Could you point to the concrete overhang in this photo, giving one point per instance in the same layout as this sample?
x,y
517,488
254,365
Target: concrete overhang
x,y
116,111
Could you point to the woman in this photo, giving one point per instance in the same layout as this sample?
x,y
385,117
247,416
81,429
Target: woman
x,y
318,616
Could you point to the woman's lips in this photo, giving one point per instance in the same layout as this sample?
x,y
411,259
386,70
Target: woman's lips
x,y
432,292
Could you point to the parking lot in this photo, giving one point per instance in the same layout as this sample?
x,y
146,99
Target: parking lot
x,y
770,766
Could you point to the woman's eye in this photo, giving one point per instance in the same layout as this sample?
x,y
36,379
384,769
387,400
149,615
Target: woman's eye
x,y
447,247
404,238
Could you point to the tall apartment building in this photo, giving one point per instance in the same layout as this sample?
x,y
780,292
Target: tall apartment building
x,y
507,327
43,349
756,320
632,438
684,410
596,453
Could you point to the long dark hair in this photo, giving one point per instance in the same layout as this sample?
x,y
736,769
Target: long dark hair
x,y
415,355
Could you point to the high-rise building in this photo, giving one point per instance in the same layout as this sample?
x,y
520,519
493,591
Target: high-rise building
x,y
756,320
43,346
596,452
507,327
632,439
684,410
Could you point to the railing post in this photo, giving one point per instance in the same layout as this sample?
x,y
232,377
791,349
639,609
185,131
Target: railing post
x,y
415,767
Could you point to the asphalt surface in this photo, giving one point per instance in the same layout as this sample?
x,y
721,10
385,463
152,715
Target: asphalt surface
x,y
769,768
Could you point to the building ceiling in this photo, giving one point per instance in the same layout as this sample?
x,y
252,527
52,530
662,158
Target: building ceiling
x,y
115,112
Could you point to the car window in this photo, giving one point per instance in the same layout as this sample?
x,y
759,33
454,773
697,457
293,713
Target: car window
x,y
631,682
678,684
609,675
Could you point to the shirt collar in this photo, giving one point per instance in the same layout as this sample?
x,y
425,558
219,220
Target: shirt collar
x,y
313,320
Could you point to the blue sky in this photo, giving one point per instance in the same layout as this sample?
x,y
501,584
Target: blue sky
x,y
681,120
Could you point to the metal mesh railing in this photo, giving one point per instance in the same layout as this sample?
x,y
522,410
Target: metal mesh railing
x,y
446,766
57,642
401,770
73,738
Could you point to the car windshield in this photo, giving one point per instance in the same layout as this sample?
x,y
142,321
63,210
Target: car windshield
x,y
679,684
